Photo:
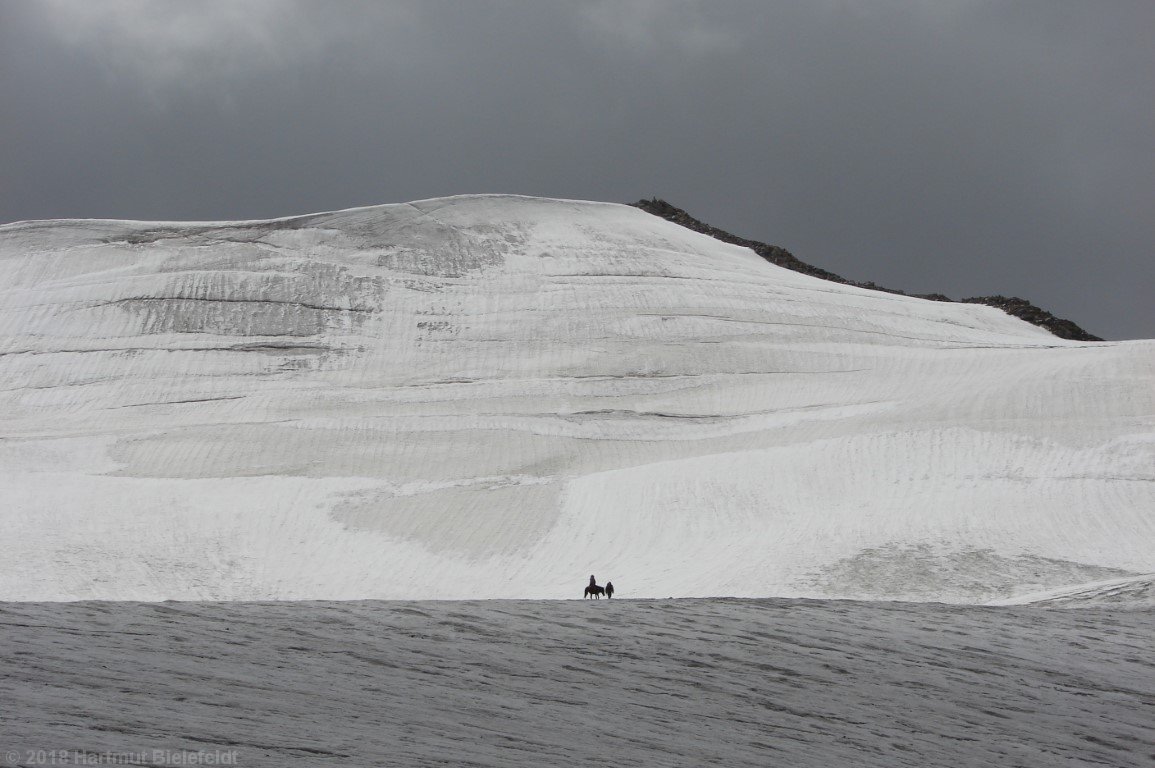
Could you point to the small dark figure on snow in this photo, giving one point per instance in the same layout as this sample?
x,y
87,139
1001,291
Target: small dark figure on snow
x,y
593,590
609,589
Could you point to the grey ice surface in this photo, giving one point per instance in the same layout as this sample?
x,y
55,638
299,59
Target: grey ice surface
x,y
616,683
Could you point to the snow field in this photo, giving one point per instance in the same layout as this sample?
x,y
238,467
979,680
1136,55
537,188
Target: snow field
x,y
493,396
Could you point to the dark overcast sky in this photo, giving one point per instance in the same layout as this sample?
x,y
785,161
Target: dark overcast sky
x,y
970,147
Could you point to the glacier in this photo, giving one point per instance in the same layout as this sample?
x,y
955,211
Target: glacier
x,y
502,683
495,396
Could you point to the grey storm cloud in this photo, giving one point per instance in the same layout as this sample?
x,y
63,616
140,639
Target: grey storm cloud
x,y
966,147
212,44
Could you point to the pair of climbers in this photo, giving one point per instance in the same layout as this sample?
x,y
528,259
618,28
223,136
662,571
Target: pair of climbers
x,y
595,591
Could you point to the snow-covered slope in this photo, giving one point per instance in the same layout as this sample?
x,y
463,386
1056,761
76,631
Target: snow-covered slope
x,y
1130,592
497,396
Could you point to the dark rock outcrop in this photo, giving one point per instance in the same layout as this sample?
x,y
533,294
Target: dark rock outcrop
x,y
772,253
1025,310
1020,308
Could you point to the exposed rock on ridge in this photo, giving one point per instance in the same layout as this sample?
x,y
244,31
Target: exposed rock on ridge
x,y
1015,306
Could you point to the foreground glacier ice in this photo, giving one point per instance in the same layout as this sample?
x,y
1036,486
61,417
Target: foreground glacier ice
x,y
495,396
612,683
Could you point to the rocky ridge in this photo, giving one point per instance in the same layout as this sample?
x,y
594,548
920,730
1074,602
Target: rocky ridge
x,y
1014,306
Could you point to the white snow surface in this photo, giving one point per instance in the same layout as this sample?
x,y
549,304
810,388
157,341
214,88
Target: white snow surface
x,y
495,396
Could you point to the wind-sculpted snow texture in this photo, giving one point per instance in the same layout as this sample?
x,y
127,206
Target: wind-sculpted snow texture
x,y
614,683
497,396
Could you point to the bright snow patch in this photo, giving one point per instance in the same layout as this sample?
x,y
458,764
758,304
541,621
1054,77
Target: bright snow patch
x,y
496,396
